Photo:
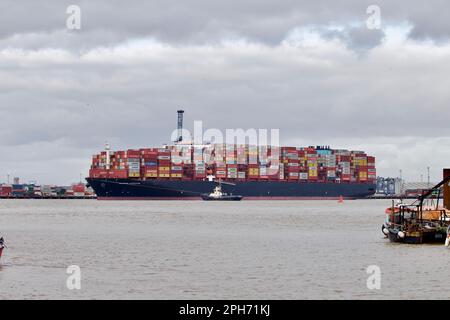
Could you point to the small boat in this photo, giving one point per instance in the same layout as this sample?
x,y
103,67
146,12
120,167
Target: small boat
x,y
218,195
417,223
2,246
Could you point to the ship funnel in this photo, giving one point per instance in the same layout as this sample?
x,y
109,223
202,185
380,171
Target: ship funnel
x,y
446,188
180,125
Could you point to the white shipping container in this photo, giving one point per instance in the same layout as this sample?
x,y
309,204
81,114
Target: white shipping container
x,y
303,175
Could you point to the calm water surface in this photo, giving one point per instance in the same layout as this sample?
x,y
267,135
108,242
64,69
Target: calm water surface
x,y
207,250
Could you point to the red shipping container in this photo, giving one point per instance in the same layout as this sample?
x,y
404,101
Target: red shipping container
x,y
133,153
118,174
343,158
150,157
346,177
149,152
164,163
164,153
5,191
98,173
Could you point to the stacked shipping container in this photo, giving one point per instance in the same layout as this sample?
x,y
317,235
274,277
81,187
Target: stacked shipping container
x,y
237,162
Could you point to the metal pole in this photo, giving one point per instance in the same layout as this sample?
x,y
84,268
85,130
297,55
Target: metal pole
x,y
180,125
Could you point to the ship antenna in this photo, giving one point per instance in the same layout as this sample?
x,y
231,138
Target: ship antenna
x,y
180,125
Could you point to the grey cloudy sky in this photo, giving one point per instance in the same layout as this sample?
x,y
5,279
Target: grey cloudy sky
x,y
310,68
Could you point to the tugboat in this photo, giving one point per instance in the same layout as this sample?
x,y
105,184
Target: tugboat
x,y
2,246
218,195
418,223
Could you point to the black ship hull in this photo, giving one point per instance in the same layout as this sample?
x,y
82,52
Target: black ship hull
x,y
124,189
417,237
437,239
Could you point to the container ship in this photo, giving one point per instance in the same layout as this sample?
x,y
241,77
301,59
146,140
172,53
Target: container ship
x,y
186,171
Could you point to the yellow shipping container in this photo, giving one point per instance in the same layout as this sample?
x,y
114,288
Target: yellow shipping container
x,y
151,175
176,175
312,173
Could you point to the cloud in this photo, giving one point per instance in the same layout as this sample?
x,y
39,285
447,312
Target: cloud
x,y
106,22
